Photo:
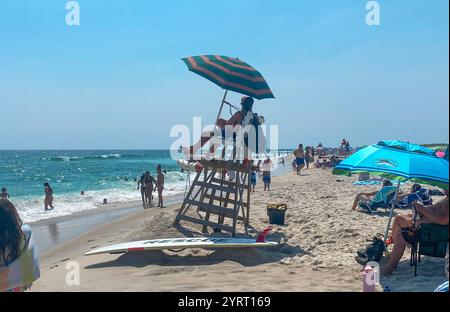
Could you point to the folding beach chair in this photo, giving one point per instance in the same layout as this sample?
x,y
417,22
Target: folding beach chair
x,y
422,195
430,240
383,199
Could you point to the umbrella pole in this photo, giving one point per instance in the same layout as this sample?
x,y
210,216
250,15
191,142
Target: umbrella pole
x,y
221,105
392,211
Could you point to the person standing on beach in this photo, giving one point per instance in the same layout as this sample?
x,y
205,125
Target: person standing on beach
x,y
141,186
160,186
4,194
307,157
259,167
267,167
149,182
48,201
253,179
299,158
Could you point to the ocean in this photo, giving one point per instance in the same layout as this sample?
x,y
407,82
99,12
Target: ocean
x,y
101,174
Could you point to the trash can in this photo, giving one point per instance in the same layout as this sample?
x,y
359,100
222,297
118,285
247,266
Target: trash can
x,y
277,213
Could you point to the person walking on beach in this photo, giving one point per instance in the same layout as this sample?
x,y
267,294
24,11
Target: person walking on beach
x,y
4,194
307,157
299,158
141,186
149,183
160,186
48,200
267,167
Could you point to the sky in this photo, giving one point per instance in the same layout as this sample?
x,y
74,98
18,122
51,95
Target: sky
x,y
117,81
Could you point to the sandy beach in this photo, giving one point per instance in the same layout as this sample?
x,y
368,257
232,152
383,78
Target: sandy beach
x,y
316,251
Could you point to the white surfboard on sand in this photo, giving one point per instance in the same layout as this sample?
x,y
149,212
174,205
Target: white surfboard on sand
x,y
184,243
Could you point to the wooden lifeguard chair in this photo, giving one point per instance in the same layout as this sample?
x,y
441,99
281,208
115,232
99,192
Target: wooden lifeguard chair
x,y
218,199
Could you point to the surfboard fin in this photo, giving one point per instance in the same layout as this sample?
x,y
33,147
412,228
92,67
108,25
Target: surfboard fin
x,y
262,236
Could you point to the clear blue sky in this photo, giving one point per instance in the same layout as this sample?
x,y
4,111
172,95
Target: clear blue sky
x,y
117,81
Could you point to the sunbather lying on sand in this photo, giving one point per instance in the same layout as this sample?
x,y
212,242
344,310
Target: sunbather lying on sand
x,y
437,214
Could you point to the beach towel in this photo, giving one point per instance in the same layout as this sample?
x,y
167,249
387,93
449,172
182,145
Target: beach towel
x,y
24,270
368,182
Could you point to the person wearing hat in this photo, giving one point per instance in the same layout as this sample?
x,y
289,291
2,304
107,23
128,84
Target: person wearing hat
x,y
239,118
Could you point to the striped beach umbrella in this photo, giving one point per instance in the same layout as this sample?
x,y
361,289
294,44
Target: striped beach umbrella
x,y
230,74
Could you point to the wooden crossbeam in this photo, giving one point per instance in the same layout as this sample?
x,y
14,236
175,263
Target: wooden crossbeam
x,y
214,187
221,227
225,165
230,183
225,201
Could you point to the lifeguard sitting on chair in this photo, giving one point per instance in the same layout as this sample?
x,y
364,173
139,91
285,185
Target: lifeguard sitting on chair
x,y
227,128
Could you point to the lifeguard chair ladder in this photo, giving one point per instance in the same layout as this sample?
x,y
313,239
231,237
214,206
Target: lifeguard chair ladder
x,y
215,196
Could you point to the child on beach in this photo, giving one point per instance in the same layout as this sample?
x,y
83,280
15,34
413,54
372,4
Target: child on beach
x,y
160,186
267,167
4,194
48,201
253,180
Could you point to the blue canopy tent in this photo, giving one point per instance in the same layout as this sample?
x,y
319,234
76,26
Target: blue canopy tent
x,y
399,161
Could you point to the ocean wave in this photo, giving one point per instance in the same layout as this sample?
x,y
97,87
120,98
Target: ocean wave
x,y
31,208
80,158
99,157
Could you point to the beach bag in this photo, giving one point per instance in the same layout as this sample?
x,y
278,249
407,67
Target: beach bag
x,y
373,252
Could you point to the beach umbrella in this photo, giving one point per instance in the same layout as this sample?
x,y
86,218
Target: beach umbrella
x,y
231,74
400,161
